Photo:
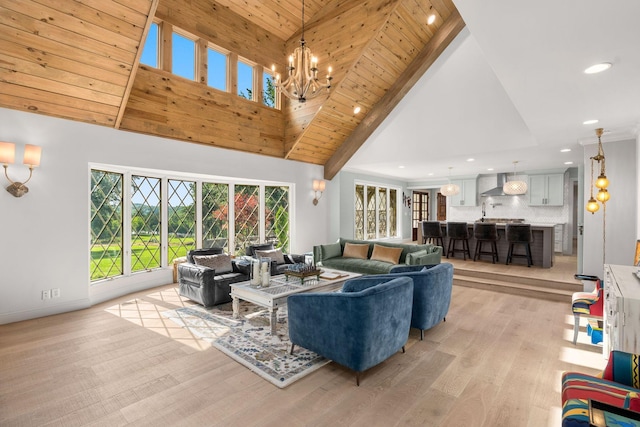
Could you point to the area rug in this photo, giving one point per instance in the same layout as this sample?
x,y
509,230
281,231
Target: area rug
x,y
248,340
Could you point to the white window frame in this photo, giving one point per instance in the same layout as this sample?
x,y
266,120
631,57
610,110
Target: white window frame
x,y
164,176
378,186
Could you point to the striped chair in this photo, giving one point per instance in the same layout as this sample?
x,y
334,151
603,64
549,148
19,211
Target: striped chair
x,y
617,385
587,304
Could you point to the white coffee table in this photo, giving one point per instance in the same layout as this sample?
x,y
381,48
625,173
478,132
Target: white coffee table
x,y
275,296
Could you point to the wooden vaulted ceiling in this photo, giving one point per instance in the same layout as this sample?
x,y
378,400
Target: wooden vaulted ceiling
x,y
79,60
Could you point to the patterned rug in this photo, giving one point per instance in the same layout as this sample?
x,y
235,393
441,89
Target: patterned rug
x,y
248,340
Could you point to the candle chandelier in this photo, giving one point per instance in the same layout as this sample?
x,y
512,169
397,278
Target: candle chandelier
x,y
302,82
601,182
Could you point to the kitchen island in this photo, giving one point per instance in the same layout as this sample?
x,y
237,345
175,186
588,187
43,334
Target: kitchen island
x,y
542,246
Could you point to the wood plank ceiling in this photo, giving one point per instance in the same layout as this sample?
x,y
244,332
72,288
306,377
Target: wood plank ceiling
x,y
79,60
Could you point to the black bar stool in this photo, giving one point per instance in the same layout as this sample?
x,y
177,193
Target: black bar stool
x,y
432,231
519,234
458,231
486,232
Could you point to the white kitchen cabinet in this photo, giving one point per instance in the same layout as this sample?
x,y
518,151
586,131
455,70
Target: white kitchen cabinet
x,y
468,193
558,237
621,309
546,190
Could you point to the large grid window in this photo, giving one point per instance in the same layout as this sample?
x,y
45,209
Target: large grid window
x,y
215,215
182,218
376,212
247,216
146,239
143,221
106,224
277,216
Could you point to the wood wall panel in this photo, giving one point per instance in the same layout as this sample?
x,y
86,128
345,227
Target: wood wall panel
x,y
194,112
79,60
219,25
401,34
70,59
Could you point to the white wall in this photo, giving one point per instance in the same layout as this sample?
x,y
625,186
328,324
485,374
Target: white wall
x,y
45,234
620,222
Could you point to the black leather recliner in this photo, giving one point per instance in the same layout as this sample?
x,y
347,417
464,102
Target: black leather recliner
x,y
275,267
203,285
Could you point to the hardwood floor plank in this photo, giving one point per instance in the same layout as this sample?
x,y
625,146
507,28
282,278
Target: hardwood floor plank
x,y
496,361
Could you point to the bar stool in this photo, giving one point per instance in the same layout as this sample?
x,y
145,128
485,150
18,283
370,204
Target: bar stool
x,y
486,232
432,231
519,234
458,231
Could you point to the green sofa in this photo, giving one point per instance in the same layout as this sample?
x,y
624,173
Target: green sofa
x,y
330,256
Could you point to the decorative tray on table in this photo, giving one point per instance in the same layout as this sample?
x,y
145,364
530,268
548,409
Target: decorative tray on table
x,y
302,271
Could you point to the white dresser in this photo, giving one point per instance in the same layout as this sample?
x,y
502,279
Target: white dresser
x,y
621,309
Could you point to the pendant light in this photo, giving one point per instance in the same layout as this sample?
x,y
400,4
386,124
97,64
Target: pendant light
x,y
602,182
514,188
450,189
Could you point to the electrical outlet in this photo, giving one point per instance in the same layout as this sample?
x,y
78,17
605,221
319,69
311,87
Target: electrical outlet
x,y
46,294
55,293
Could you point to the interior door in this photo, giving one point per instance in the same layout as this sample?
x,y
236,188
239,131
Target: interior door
x,y
420,211
441,207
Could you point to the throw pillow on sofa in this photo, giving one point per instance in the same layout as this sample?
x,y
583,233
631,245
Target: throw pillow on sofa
x,y
386,254
353,250
411,256
220,263
275,255
332,250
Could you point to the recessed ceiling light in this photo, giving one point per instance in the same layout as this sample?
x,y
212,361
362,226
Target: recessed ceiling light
x,y
471,160
489,169
400,167
356,110
598,68
590,122
568,163
430,174
565,150
431,19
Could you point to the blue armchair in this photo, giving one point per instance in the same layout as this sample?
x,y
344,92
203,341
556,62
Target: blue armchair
x,y
359,327
431,293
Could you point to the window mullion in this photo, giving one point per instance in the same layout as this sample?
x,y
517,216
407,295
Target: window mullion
x,y
262,218
198,201
232,218
126,223
164,221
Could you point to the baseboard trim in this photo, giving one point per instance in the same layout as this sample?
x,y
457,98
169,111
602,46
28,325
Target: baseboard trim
x,y
49,310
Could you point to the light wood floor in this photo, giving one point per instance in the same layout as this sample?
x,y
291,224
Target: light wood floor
x,y
496,361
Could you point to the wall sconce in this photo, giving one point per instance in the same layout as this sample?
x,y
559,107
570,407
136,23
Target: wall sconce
x,y
318,187
31,158
406,200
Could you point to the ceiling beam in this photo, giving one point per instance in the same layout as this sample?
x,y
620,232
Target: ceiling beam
x,y
134,67
432,50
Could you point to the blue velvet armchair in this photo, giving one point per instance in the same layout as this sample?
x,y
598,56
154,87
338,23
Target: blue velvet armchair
x,y
431,293
359,327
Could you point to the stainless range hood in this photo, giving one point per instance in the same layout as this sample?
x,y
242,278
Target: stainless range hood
x,y
497,190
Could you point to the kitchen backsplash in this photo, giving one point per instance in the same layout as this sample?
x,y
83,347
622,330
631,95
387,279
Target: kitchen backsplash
x,y
510,206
